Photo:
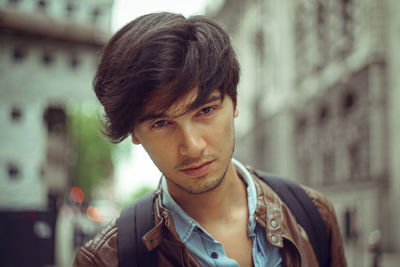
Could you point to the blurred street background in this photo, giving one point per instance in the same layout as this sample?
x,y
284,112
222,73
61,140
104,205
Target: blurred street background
x,y
319,102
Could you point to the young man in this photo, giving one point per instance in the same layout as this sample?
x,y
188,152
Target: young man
x,y
170,84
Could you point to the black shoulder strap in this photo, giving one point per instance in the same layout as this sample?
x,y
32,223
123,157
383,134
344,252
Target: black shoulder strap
x,y
135,220
305,212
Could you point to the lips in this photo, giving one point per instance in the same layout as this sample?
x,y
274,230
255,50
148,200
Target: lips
x,y
199,170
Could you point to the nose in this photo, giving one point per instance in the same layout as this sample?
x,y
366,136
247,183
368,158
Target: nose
x,y
191,143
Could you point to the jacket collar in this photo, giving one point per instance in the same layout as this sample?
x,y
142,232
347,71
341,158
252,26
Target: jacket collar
x,y
269,213
163,223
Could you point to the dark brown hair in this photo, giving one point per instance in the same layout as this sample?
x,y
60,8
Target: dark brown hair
x,y
162,53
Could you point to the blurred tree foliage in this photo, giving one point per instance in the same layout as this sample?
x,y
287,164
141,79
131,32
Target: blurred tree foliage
x,y
91,153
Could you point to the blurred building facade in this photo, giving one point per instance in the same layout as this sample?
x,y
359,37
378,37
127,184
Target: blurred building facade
x,y
318,97
48,55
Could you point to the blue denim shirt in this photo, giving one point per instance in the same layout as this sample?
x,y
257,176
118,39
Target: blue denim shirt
x,y
210,252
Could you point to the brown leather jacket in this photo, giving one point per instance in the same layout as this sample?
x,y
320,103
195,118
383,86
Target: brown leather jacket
x,y
281,228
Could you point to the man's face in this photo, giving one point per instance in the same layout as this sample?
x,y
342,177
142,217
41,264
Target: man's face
x,y
192,148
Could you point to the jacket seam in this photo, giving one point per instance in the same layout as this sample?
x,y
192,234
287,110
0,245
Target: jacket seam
x,y
103,240
89,255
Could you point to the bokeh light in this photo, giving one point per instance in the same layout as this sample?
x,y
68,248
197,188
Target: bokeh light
x,y
77,195
94,214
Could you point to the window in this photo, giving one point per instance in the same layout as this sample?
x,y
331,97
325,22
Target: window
x,y
305,169
354,161
55,119
47,58
301,32
96,14
260,146
42,171
74,62
301,124
13,171
351,227
323,114
347,16
15,114
348,102
322,32
300,25
70,9
19,53
348,24
42,4
259,42
328,161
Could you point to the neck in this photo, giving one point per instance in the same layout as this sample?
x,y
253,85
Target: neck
x,y
220,204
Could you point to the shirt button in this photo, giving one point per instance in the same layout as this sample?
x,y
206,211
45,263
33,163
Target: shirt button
x,y
214,255
274,239
274,223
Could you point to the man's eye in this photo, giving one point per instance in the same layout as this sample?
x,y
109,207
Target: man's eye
x,y
207,110
159,124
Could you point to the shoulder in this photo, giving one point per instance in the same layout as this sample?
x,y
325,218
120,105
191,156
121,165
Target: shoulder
x,y
328,215
101,250
323,205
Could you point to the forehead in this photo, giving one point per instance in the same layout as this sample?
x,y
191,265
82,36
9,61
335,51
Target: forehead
x,y
154,107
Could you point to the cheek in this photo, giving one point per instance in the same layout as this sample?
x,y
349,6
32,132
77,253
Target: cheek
x,y
226,127
160,151
222,132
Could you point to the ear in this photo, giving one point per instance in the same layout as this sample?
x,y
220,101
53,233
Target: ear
x,y
134,139
236,113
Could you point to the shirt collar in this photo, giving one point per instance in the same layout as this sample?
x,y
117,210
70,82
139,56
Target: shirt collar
x,y
185,225
251,193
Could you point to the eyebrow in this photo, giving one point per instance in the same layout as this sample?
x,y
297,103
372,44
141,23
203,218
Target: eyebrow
x,y
153,116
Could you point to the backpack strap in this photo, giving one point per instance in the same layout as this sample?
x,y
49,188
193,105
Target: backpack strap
x,y
305,212
134,222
